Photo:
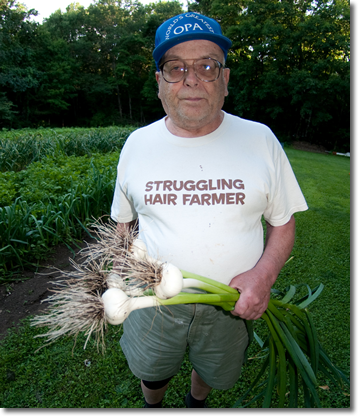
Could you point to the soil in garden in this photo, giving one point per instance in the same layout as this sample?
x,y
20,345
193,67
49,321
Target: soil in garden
x,y
24,298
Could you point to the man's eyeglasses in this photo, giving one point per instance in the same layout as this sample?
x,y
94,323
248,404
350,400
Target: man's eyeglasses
x,y
207,69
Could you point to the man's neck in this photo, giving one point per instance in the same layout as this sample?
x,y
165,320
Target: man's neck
x,y
196,130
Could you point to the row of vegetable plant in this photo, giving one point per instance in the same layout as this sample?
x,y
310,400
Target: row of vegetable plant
x,y
52,201
19,148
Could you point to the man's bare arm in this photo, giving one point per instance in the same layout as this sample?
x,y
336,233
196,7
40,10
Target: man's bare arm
x,y
255,284
126,225
123,226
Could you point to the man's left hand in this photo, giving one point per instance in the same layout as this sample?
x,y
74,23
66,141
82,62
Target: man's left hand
x,y
254,294
255,284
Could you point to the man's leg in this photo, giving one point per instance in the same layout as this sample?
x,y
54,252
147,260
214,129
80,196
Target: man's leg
x,y
154,396
199,389
198,393
154,391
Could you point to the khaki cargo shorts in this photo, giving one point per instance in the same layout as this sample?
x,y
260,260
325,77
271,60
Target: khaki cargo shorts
x,y
155,341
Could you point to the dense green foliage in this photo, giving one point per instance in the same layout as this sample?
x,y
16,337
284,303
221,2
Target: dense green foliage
x,y
19,148
53,377
58,207
66,179
289,65
53,177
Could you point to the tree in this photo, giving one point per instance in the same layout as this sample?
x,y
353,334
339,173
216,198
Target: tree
x,y
6,111
289,65
157,14
60,97
89,66
18,72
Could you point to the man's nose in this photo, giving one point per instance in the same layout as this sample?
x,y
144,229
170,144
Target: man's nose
x,y
190,78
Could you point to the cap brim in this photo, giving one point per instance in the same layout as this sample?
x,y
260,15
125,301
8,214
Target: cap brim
x,y
222,41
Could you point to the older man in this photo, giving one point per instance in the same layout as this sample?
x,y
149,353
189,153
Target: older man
x,y
199,181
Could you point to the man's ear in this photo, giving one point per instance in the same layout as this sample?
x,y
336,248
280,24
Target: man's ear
x,y
158,78
226,79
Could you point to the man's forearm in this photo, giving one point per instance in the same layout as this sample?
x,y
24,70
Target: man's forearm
x,y
279,244
255,284
126,225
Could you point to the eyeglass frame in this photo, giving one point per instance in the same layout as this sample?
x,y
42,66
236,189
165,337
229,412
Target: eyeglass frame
x,y
193,65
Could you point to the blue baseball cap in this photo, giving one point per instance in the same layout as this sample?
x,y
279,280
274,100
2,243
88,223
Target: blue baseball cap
x,y
185,27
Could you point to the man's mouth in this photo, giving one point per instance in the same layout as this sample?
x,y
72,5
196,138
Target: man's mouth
x,y
192,99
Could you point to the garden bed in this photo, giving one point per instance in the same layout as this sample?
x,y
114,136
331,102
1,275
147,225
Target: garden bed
x,y
24,298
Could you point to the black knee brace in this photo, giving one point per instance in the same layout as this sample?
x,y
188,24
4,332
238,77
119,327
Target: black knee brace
x,y
156,385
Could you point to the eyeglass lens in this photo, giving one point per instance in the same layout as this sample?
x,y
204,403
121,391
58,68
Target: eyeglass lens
x,y
206,70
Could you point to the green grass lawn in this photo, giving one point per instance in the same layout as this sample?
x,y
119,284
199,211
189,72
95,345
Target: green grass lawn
x,y
60,376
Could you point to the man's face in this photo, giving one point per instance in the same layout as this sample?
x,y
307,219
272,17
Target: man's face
x,y
192,104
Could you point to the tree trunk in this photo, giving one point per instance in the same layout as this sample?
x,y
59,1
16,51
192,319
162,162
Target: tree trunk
x,y
142,119
130,106
119,103
308,123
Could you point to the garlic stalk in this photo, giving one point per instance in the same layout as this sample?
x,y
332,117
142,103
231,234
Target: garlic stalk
x,y
118,305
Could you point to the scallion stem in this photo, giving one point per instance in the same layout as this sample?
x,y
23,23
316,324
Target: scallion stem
x,y
184,297
222,286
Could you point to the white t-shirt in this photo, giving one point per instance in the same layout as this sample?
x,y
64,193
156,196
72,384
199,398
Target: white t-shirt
x,y
200,200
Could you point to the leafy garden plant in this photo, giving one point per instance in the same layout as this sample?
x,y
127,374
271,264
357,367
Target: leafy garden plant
x,y
20,148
